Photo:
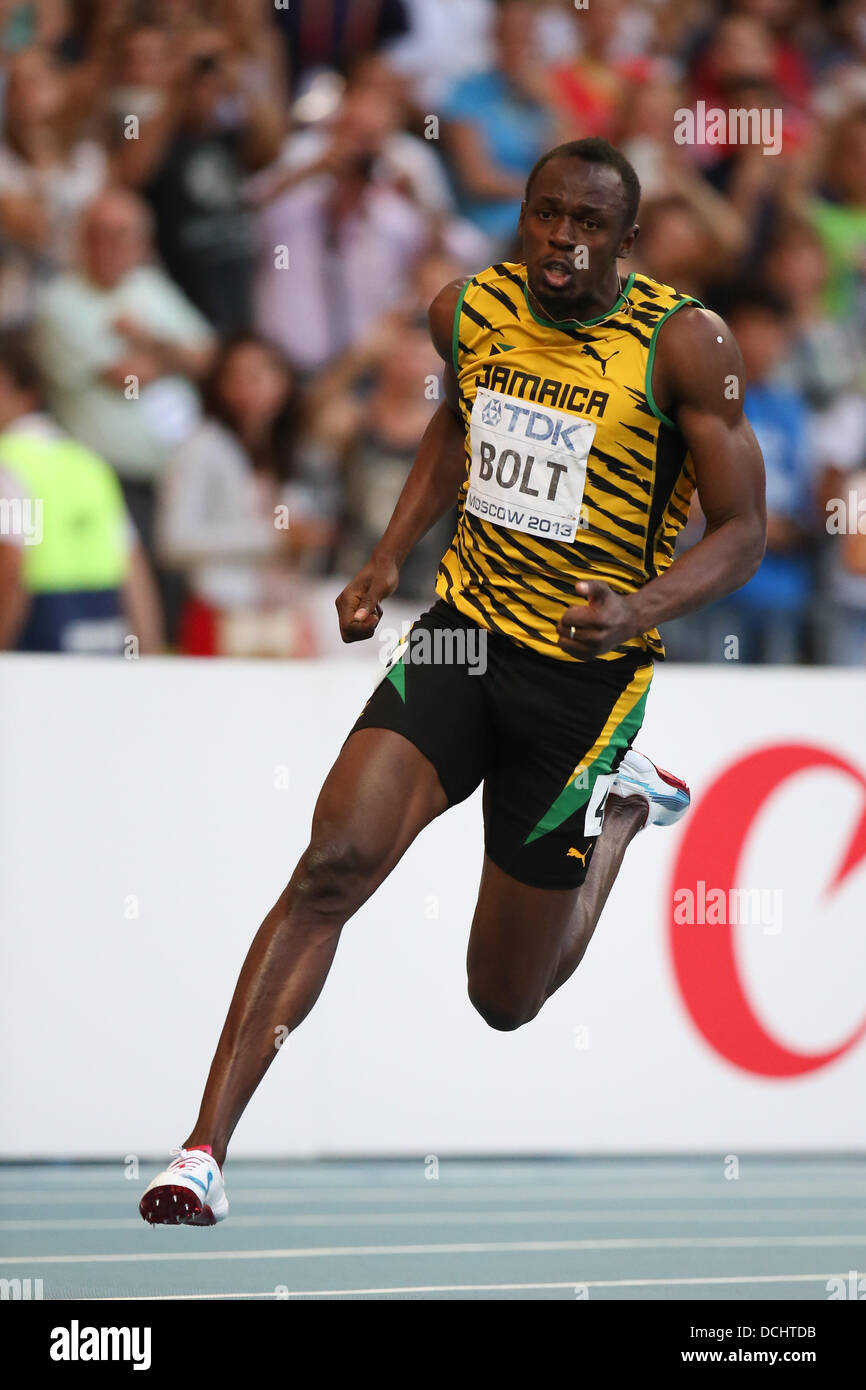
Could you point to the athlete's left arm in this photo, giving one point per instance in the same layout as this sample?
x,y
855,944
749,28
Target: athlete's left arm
x,y
699,381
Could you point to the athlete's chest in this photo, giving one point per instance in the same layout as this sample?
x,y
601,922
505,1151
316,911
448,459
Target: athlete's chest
x,y
540,419
600,378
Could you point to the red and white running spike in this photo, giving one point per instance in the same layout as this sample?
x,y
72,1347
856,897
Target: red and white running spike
x,y
189,1192
667,797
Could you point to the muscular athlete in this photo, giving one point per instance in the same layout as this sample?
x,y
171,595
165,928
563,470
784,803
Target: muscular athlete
x,y
580,415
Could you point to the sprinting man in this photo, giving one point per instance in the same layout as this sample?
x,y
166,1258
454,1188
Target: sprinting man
x,y
572,483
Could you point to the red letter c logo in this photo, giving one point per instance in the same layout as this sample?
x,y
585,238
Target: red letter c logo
x,y
704,959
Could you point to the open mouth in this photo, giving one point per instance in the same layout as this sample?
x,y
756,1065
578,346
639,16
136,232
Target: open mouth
x,y
558,273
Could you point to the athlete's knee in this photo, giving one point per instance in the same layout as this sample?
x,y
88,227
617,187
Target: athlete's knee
x,y
334,872
500,1008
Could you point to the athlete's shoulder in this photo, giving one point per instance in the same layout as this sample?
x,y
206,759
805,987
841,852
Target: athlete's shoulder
x,y
503,281
442,313
508,272
654,295
511,273
697,358
674,323
694,326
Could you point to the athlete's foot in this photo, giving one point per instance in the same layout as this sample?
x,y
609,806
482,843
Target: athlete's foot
x,y
189,1192
666,797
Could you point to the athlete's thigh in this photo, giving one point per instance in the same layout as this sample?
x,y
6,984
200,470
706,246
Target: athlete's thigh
x,y
417,747
560,733
516,943
377,797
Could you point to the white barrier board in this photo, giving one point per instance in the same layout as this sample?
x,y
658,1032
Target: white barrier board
x,y
151,812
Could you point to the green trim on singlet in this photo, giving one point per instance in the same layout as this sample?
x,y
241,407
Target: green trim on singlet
x,y
455,328
578,323
648,376
578,789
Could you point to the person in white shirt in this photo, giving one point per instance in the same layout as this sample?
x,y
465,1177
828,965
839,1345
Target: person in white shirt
x,y
349,233
121,349
48,173
235,515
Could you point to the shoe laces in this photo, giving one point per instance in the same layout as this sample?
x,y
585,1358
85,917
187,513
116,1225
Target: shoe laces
x,y
188,1158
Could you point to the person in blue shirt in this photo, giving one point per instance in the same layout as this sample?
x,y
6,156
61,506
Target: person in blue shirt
x,y
498,125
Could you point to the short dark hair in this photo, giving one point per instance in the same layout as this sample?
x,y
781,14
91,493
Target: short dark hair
x,y
18,362
594,150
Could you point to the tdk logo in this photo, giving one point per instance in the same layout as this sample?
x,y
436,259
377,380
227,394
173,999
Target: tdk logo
x,y
555,430
76,1343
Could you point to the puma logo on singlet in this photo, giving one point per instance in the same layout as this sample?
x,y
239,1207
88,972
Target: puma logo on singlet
x,y
591,352
576,854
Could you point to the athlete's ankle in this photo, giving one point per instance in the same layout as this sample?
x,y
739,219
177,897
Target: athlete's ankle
x,y
632,809
216,1151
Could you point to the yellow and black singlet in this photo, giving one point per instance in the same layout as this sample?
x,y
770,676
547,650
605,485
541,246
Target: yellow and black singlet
x,y
572,470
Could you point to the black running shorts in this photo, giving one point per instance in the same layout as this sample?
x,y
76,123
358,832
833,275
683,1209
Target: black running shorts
x,y
544,736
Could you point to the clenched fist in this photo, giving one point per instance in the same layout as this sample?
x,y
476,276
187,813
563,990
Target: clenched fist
x,y
359,605
600,624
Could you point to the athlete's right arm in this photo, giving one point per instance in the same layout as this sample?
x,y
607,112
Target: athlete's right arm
x,y
430,490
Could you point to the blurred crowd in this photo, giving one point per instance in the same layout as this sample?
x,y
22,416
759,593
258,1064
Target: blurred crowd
x,y
221,224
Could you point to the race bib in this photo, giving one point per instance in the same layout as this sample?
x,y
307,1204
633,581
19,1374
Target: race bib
x,y
528,467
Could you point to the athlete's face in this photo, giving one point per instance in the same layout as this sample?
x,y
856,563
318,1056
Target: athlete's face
x,y
573,231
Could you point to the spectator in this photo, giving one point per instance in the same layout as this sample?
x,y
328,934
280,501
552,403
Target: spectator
x,y
340,32
262,65
190,161
589,91
352,239
826,357
332,238
690,237
738,72
220,518
839,213
645,119
848,30
375,103
446,41
386,392
120,348
838,446
498,124
855,562
73,576
140,79
47,175
749,44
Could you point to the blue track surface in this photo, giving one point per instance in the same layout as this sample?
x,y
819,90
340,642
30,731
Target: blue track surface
x,y
483,1229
